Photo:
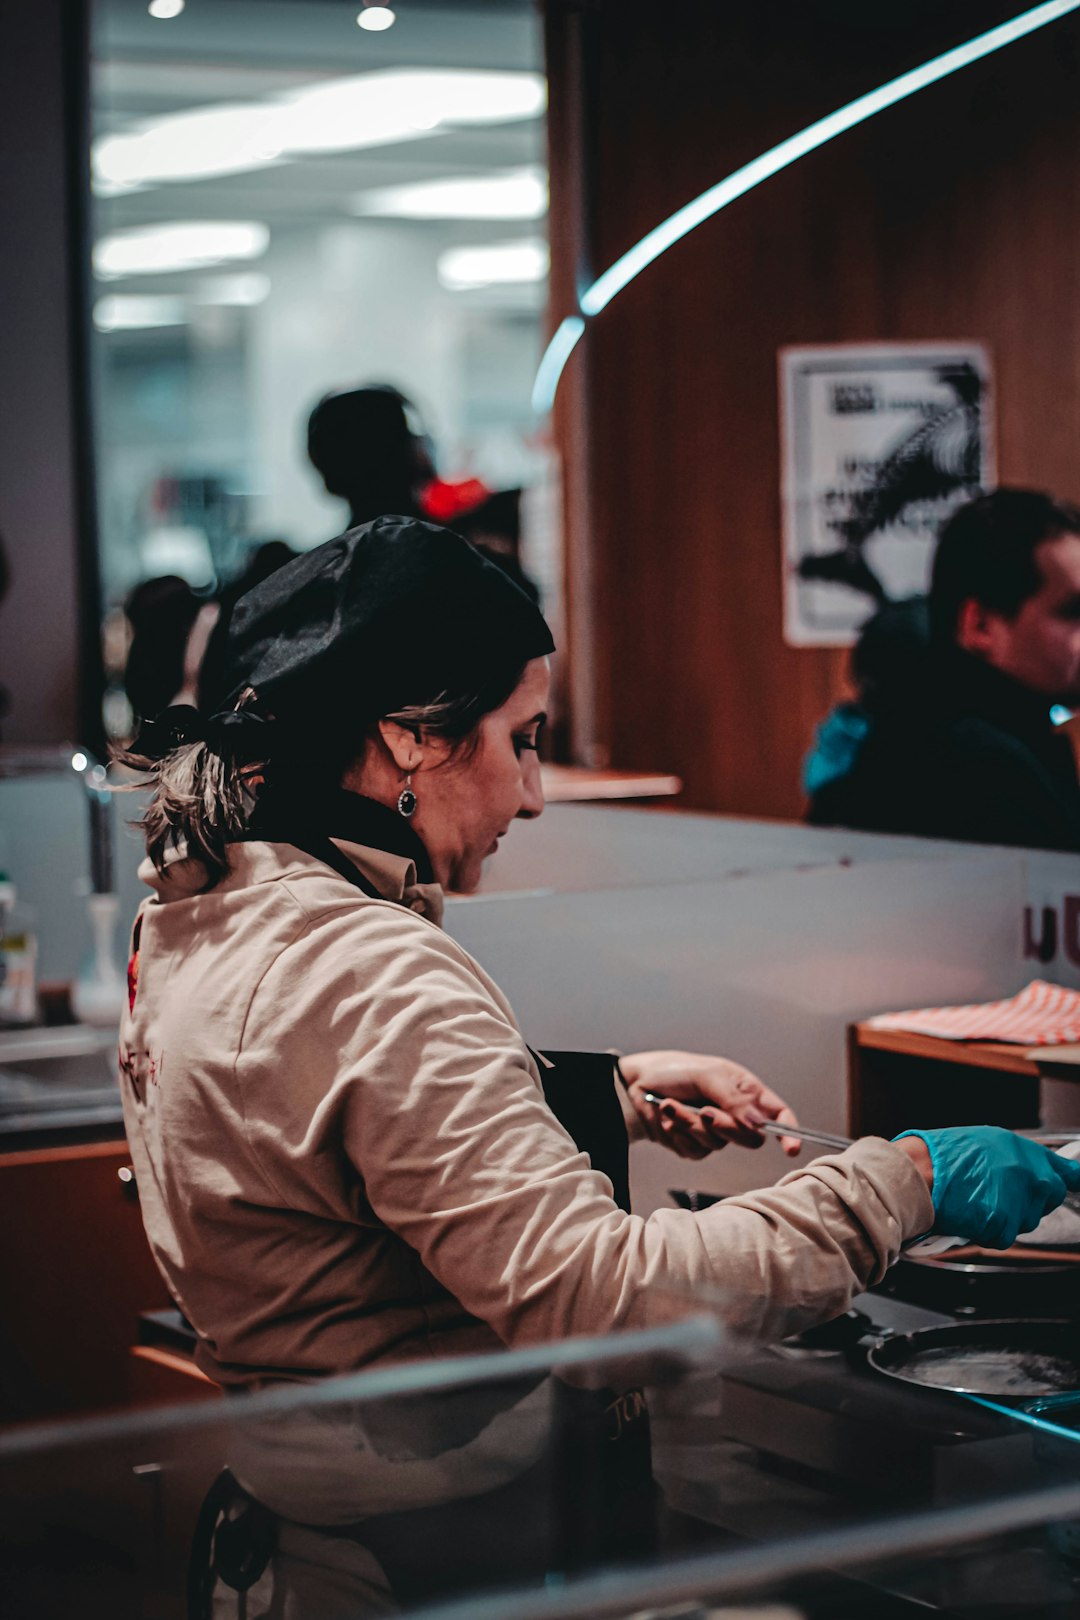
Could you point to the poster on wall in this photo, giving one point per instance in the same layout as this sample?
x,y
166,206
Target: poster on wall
x,y
880,443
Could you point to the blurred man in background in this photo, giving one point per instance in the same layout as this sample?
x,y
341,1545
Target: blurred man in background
x,y
370,448
955,739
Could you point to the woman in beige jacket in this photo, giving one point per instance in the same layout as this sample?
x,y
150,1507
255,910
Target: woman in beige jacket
x,y
341,1139
345,1151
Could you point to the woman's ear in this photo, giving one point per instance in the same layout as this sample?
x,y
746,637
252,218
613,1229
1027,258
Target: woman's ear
x,y
403,745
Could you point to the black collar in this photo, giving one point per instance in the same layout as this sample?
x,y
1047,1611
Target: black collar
x,y
971,686
284,817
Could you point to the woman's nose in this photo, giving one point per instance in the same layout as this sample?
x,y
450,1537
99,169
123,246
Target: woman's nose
x,y
532,798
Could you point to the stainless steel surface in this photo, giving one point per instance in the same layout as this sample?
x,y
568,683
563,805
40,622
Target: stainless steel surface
x,y
57,1079
38,1044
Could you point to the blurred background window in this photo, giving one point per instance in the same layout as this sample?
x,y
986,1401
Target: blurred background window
x,y
286,205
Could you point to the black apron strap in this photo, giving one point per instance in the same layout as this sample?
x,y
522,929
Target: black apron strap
x,y
580,1091
601,1452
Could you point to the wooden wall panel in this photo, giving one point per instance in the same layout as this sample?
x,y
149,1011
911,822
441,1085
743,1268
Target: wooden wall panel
x,y
75,1272
952,216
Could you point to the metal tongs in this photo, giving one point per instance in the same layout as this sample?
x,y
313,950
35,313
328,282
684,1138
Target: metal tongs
x,y
769,1127
803,1133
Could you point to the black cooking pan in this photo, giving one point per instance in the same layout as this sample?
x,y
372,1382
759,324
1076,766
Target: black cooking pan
x,y
1011,1362
987,1285
1032,1366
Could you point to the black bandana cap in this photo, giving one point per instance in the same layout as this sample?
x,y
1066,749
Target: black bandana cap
x,y
242,734
395,612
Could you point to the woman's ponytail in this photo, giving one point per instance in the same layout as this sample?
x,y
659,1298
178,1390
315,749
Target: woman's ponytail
x,y
199,803
202,776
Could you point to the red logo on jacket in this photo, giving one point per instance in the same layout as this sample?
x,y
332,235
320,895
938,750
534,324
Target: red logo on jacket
x,y
133,967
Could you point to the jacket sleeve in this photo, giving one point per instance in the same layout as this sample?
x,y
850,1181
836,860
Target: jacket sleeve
x,y
389,1058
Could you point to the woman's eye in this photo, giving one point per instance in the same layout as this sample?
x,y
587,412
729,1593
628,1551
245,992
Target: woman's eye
x,y
523,743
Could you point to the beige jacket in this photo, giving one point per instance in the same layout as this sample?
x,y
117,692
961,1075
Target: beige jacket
x,y
344,1155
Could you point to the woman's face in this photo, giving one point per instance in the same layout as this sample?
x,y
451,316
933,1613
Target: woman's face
x,y
465,801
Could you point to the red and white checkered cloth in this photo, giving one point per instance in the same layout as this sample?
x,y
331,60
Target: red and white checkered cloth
x,y
1042,1015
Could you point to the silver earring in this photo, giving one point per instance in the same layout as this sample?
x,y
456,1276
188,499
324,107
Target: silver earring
x,y
407,800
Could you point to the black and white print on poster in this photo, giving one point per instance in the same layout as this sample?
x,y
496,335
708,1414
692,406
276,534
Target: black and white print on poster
x,y
879,444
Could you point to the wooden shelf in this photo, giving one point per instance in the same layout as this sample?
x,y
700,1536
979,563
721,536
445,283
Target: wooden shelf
x,y
164,1377
1000,1055
575,784
898,1080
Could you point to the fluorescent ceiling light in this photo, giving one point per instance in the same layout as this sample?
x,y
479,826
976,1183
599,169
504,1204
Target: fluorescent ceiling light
x,y
245,290
121,312
195,145
512,194
376,19
677,225
128,312
342,115
496,264
371,109
187,245
350,114
165,9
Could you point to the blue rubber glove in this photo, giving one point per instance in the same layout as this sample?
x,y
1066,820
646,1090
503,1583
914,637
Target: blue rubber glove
x,y
990,1184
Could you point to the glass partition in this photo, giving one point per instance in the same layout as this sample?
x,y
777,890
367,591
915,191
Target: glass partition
x,y
285,206
373,1494
527,1484
1013,1558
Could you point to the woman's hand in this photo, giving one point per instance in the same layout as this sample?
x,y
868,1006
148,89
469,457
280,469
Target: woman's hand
x,y
729,1102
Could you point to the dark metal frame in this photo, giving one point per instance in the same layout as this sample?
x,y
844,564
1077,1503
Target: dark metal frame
x,y
75,19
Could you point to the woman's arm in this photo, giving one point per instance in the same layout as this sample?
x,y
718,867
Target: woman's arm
x,y
391,1060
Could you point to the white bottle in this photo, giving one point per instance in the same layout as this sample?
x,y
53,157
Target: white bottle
x,y
7,906
100,992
